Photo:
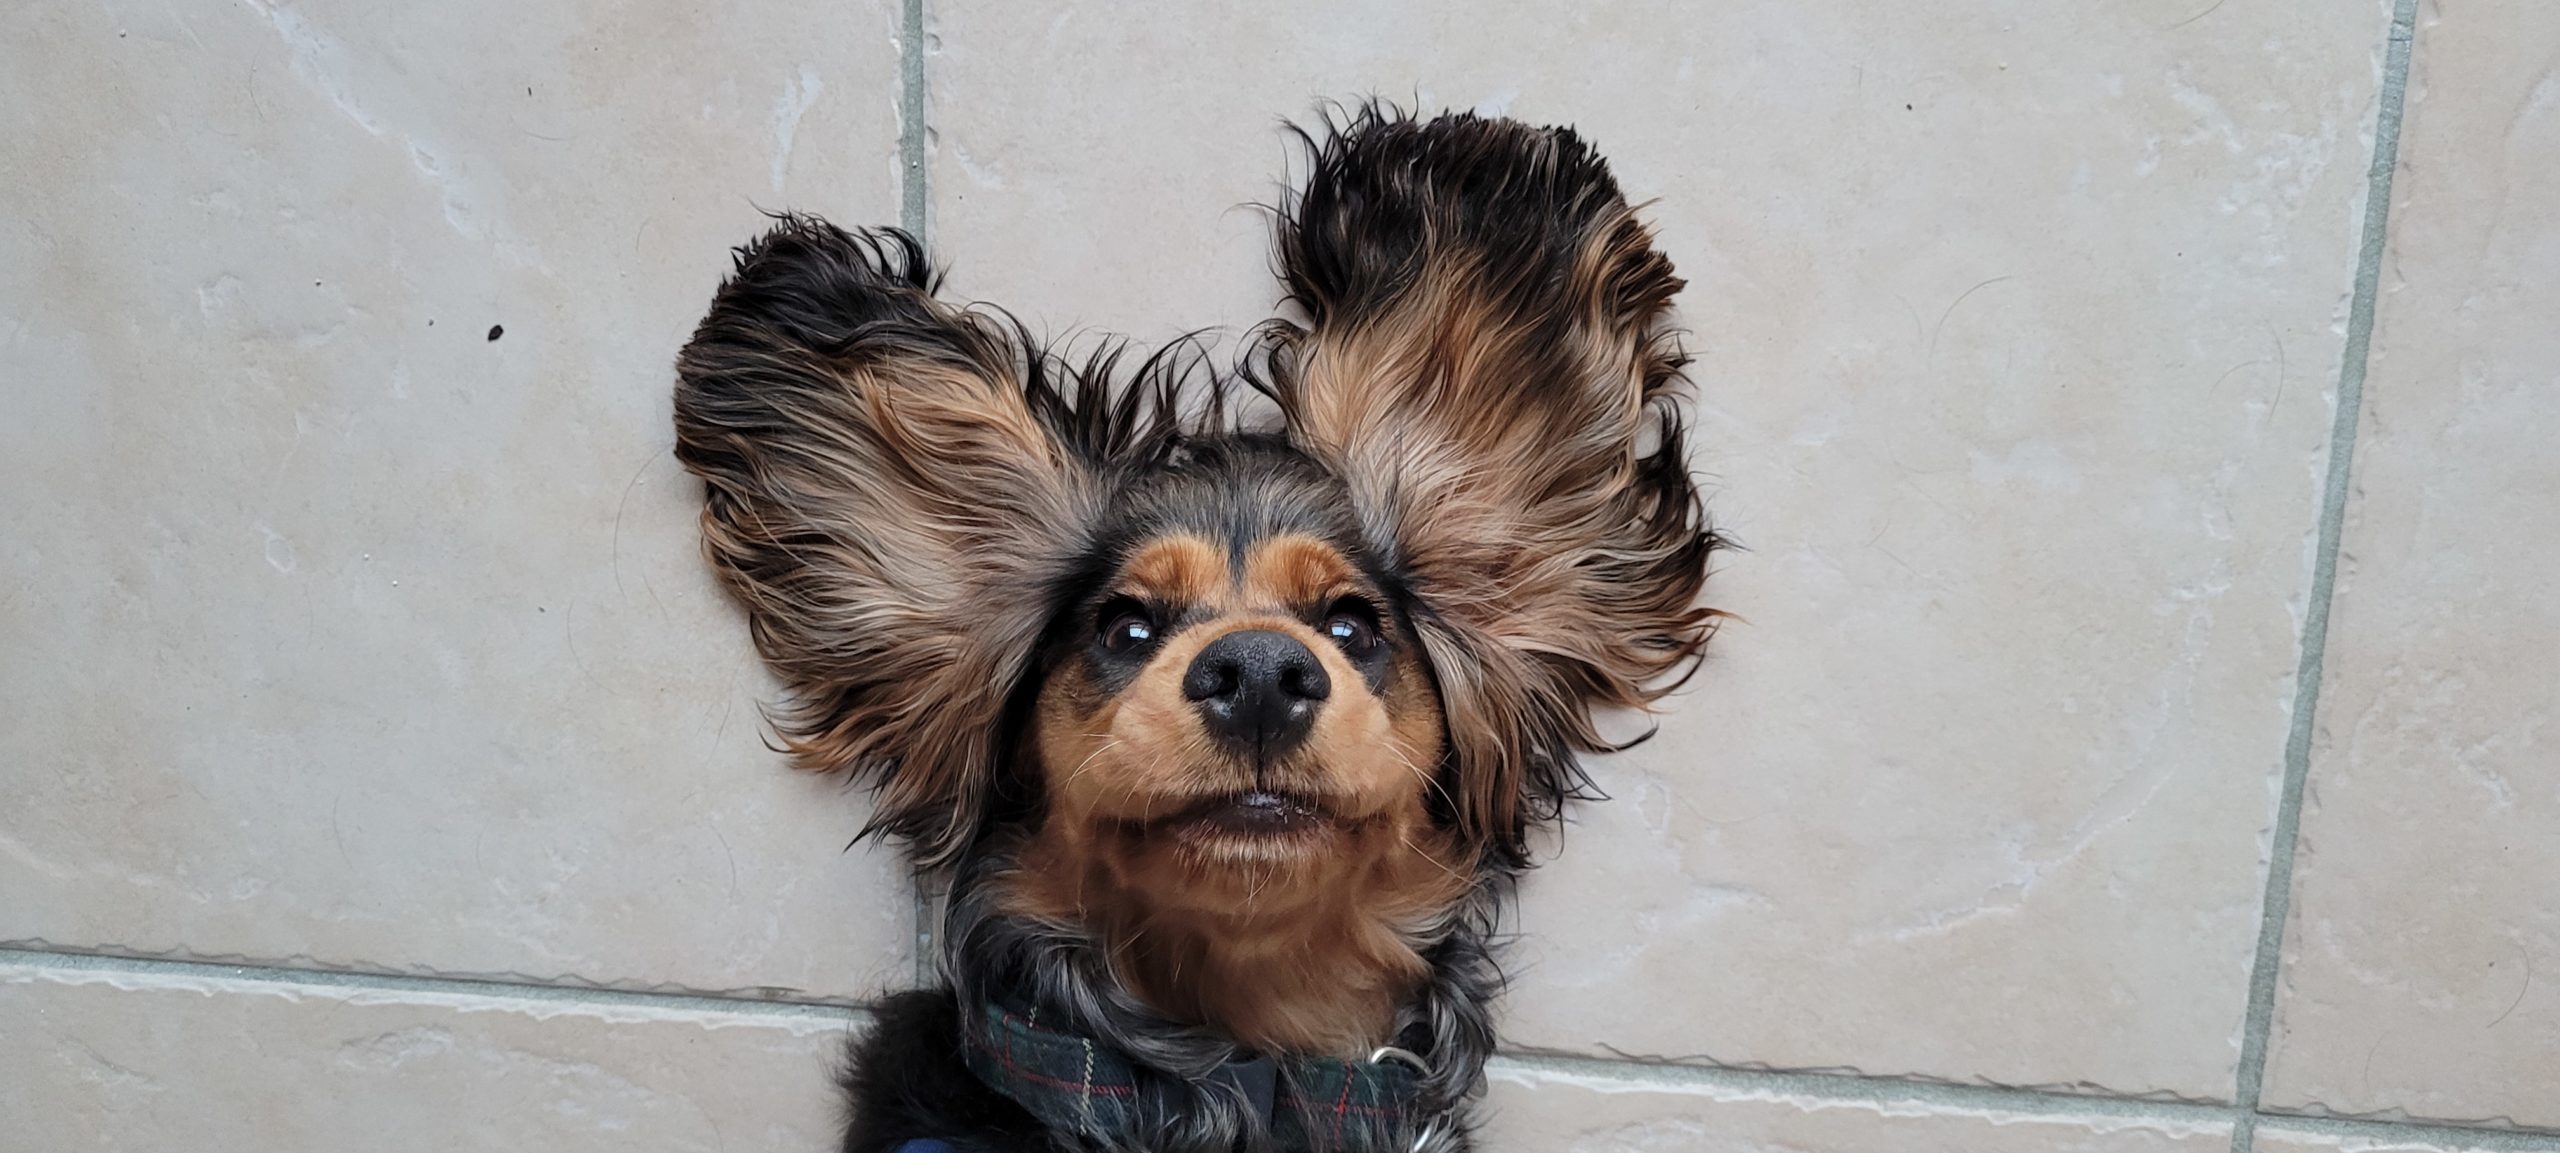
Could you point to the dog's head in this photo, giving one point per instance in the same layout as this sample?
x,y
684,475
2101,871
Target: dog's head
x,y
1235,680
1185,649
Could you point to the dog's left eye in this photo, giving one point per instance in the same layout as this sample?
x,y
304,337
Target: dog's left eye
x,y
1126,626
1351,627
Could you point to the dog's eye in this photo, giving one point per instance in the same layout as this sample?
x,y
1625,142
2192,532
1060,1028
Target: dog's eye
x,y
1126,626
1352,625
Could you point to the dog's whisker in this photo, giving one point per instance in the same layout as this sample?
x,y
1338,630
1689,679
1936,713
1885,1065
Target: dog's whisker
x,y
1416,850
1087,764
1430,781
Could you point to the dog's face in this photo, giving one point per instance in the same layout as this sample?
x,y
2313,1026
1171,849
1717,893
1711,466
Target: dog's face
x,y
1181,646
1240,692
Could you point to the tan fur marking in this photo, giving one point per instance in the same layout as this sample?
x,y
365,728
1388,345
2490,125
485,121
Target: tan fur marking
x,y
1296,571
1181,569
1302,944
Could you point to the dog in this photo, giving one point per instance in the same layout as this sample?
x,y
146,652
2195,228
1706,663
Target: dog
x,y
1222,702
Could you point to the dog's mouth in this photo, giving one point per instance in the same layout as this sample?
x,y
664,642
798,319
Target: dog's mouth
x,y
1254,813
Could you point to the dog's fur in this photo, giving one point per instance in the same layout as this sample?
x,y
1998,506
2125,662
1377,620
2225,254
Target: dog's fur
x,y
985,574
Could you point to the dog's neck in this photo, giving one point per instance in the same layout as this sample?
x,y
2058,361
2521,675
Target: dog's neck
x,y
1314,958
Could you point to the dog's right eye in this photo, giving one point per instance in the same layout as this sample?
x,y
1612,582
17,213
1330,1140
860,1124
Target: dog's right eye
x,y
1126,626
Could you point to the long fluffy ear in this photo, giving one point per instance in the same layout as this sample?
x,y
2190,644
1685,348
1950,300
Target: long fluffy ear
x,y
891,499
1484,366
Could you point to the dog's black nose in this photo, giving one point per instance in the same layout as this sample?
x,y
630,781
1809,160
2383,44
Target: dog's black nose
x,y
1257,690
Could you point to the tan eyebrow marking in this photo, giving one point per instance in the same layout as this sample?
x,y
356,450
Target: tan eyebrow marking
x,y
1179,569
1294,569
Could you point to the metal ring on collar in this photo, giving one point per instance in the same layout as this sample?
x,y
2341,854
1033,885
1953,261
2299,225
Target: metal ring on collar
x,y
1405,1057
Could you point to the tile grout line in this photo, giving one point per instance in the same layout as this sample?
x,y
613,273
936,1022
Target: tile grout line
x,y
1830,1088
911,216
2267,964
1853,1088
2464,1137
911,202
58,959
1861,1089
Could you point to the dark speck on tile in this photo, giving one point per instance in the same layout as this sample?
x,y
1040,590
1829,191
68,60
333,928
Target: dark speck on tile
x,y
497,330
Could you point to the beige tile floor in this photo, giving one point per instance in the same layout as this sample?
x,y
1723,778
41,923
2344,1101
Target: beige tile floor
x,y
384,770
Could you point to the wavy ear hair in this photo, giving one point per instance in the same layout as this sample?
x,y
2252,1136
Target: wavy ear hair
x,y
896,492
1483,363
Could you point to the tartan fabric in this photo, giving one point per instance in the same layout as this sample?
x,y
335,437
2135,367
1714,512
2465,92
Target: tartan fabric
x,y
1074,1085
1325,1101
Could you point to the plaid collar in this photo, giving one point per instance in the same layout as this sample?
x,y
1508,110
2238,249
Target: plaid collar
x,y
1308,1104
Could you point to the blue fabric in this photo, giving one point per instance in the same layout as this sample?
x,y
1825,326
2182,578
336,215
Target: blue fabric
x,y
925,1145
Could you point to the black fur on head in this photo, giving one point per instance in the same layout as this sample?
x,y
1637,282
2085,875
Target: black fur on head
x,y
997,583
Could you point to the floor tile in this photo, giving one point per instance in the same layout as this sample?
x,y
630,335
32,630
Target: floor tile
x,y
1565,1113
353,604
2422,972
2015,333
118,1061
